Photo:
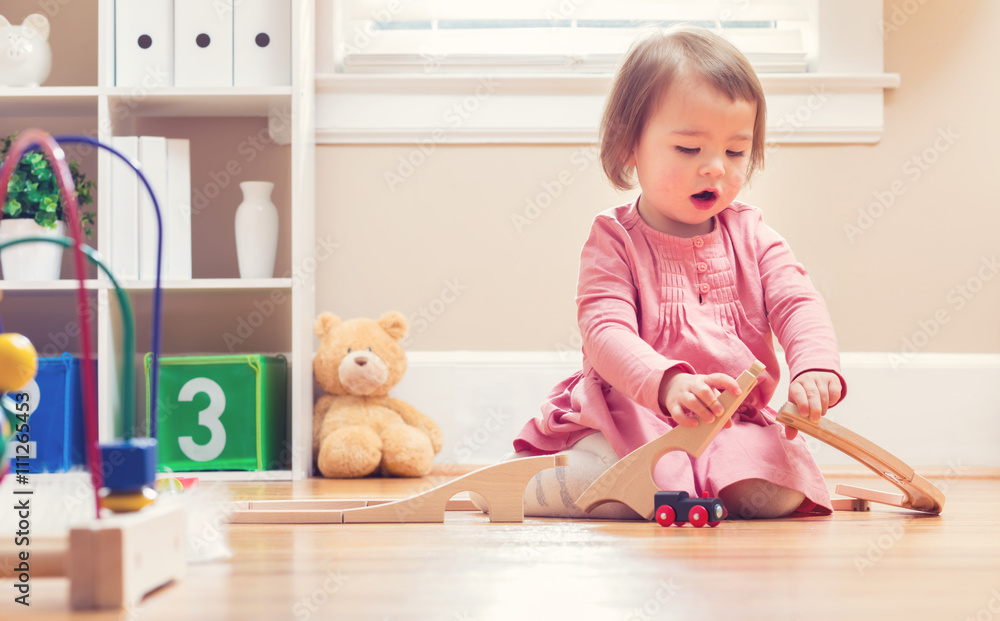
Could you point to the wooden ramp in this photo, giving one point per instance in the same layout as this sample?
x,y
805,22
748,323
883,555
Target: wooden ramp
x,y
919,494
502,485
630,480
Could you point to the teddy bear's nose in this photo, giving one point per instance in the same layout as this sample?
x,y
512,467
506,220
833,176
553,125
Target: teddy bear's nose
x,y
361,361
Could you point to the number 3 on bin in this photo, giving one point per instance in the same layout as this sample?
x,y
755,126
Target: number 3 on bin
x,y
208,418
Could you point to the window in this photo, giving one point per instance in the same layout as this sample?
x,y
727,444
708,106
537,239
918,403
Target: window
x,y
528,71
569,36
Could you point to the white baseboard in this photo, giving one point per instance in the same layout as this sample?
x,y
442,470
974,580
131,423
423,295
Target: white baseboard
x,y
930,410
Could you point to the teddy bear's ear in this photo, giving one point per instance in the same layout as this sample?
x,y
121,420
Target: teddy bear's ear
x,y
325,323
394,324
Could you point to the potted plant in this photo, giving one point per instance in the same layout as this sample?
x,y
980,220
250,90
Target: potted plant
x,y
34,208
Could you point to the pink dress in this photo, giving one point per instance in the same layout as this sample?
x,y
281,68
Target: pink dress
x,y
647,302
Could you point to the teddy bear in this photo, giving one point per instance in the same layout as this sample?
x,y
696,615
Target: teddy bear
x,y
357,427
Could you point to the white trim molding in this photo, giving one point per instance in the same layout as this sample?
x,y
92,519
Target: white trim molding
x,y
920,407
566,109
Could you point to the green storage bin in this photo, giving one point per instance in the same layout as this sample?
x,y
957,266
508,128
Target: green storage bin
x,y
221,412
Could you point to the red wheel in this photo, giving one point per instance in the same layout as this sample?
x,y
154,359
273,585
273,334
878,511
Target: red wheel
x,y
665,515
698,516
714,524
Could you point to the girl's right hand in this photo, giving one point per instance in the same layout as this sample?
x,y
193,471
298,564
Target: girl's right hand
x,y
689,399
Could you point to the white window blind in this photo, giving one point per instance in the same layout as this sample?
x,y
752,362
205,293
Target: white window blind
x,y
555,36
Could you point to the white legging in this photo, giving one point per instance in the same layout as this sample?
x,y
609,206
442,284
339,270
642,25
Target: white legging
x,y
553,492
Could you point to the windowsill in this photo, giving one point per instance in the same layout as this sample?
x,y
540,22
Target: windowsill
x,y
566,109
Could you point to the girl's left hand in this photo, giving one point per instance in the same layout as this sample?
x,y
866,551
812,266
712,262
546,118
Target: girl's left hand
x,y
813,392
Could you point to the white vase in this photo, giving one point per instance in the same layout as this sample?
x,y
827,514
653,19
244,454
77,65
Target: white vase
x,y
256,230
31,261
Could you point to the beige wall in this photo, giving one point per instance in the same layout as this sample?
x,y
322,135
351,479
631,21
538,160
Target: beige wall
x,y
450,221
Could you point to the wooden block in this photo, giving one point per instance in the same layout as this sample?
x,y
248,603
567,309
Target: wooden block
x,y
114,562
872,495
312,504
630,480
288,516
850,504
919,494
462,502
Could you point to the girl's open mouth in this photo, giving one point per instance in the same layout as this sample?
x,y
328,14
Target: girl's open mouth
x,y
704,199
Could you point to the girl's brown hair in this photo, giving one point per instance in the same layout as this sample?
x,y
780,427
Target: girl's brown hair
x,y
648,70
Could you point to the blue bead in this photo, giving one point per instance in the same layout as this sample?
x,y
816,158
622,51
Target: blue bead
x,y
129,464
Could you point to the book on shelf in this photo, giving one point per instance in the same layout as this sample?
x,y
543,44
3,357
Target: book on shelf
x,y
166,162
123,250
153,159
177,215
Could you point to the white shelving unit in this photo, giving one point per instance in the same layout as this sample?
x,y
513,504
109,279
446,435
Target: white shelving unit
x,y
220,122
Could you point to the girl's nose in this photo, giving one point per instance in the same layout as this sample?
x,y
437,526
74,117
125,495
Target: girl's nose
x,y
714,167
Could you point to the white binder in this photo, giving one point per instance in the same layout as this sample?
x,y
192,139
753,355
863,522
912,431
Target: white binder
x,y
144,43
153,159
262,43
203,42
124,212
177,214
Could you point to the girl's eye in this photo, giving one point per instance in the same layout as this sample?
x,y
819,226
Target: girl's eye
x,y
348,350
687,151
735,153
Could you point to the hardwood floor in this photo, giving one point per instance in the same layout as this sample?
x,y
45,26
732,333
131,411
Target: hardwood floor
x,y
886,564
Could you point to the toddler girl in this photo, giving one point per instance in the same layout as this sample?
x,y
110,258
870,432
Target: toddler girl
x,y
679,292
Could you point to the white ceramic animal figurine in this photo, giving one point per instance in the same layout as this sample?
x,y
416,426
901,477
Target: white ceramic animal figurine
x,y
25,55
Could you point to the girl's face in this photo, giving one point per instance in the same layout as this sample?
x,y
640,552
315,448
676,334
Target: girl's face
x,y
692,156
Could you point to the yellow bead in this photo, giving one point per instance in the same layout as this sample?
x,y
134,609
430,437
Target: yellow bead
x,y
130,502
18,361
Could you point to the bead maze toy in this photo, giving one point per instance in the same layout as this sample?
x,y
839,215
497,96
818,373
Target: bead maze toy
x,y
110,561
630,480
919,494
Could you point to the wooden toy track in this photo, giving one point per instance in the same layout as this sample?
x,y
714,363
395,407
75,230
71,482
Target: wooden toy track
x,y
502,485
919,494
630,480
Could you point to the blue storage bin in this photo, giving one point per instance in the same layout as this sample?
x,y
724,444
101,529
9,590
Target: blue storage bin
x,y
56,423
